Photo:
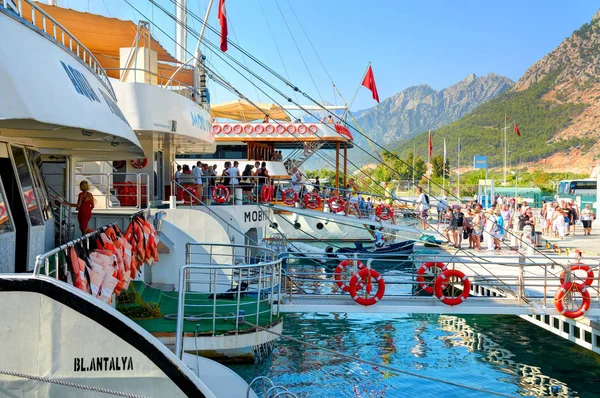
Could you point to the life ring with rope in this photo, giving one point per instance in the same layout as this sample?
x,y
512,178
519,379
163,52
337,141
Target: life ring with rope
x,y
336,204
266,193
384,212
444,279
287,199
337,274
561,295
220,194
365,277
139,163
422,272
302,129
576,267
312,200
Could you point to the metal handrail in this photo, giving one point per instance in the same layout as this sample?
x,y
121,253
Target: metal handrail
x,y
85,56
141,179
267,276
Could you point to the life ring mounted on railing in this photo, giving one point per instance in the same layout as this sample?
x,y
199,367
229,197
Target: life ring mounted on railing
x,y
289,196
562,293
363,280
336,204
444,279
589,280
337,274
422,272
139,163
220,194
216,129
384,212
266,193
312,200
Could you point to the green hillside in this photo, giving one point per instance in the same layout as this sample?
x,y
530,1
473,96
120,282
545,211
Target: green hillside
x,y
480,131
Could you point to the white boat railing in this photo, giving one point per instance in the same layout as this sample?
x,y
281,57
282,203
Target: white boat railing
x,y
53,29
217,276
132,192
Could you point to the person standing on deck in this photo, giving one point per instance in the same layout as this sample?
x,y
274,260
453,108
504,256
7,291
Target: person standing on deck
x,y
262,175
234,173
177,179
84,206
587,216
422,206
197,174
296,180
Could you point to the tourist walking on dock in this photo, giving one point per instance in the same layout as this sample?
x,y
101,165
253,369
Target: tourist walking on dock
x,y
587,216
478,220
422,206
506,215
491,227
468,225
573,216
451,228
442,205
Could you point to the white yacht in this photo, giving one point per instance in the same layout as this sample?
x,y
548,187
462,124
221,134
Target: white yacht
x,y
59,105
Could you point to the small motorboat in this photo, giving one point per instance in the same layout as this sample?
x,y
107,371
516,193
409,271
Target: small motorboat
x,y
393,250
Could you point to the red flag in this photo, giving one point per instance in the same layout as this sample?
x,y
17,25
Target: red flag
x,y
430,146
517,129
369,82
223,23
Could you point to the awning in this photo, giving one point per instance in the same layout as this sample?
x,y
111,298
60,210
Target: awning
x,y
244,111
104,37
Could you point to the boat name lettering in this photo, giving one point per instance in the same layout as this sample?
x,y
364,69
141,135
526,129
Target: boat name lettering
x,y
256,215
113,107
102,364
199,121
81,84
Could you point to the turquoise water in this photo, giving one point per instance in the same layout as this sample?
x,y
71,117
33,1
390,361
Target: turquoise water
x,y
504,354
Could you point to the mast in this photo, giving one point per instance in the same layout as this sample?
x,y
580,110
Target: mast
x,y
180,30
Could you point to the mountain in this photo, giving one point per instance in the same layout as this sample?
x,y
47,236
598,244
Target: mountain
x,y
556,104
421,108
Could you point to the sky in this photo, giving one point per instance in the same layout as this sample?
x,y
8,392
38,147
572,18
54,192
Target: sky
x,y
408,43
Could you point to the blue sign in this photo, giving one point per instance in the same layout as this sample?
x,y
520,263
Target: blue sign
x,y
480,162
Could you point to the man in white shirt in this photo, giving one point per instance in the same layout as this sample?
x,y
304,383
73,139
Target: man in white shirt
x,y
197,174
296,179
422,206
234,173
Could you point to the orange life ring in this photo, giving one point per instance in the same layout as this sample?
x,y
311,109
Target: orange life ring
x,y
289,200
384,212
291,129
312,200
560,294
227,128
365,276
302,129
216,129
237,129
220,194
139,163
266,193
258,129
423,270
270,129
280,129
337,274
336,204
313,129
248,129
443,279
575,267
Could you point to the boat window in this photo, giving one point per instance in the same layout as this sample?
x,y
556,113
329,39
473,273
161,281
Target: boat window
x,y
35,164
6,224
27,189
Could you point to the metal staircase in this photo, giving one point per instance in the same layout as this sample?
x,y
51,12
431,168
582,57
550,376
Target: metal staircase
x,y
297,157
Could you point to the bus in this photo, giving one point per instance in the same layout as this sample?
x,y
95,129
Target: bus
x,y
581,191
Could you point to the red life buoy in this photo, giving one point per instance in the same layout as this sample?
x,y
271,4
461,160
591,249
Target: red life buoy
x,y
248,129
444,278
270,129
302,129
227,128
258,129
139,163
287,199
188,195
237,129
291,129
384,212
336,204
220,194
312,200
266,193
421,272
280,129
337,274
313,129
216,129
365,276
575,267
2,210
562,292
